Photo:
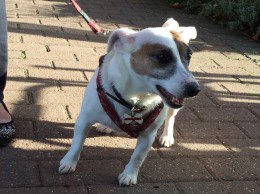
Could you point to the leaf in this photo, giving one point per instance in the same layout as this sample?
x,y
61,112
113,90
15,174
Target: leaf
x,y
23,54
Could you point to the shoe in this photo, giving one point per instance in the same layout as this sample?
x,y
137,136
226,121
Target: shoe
x,y
6,130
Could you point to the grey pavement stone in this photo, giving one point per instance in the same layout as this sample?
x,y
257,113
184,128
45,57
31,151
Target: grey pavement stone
x,y
211,130
35,149
250,128
200,101
225,187
24,129
234,168
195,147
38,112
44,190
186,114
19,174
225,114
249,147
168,170
107,147
147,188
87,172
235,101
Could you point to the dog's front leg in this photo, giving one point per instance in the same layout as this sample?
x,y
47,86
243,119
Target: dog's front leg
x,y
144,143
69,162
167,139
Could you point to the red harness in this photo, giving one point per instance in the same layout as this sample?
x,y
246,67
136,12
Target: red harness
x,y
109,109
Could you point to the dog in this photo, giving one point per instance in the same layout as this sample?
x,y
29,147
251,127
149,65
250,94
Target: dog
x,y
143,74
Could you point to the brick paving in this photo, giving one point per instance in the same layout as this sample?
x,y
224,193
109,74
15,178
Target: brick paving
x,y
52,56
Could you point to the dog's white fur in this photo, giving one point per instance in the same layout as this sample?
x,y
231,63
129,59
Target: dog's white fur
x,y
134,87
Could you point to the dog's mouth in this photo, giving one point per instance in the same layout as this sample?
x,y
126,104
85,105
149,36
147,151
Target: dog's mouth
x,y
171,100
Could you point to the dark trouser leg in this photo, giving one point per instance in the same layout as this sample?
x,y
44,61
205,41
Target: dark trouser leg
x,y
3,48
2,86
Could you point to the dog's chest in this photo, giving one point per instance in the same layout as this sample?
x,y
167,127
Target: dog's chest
x,y
140,117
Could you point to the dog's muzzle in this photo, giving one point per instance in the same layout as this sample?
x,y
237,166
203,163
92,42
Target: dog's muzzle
x,y
190,90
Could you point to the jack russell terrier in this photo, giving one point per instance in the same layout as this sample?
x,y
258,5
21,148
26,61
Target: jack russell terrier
x,y
141,76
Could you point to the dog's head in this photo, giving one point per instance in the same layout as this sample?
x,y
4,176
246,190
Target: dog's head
x,y
160,58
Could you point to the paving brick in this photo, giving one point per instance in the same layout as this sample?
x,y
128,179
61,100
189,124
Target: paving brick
x,y
87,43
250,128
226,75
225,114
235,56
224,187
16,97
19,174
209,55
185,114
59,97
200,101
91,172
73,87
207,130
24,129
68,65
238,88
28,63
229,100
195,147
148,188
256,111
47,129
44,190
38,112
35,149
22,84
55,75
111,147
168,170
244,146
234,168
246,64
39,39
63,35
209,85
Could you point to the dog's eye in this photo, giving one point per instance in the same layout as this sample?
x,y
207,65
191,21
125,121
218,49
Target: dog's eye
x,y
164,57
189,53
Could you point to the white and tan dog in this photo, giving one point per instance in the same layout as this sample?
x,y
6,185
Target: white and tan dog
x,y
141,72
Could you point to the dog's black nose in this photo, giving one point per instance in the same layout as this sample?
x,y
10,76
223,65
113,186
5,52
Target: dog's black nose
x,y
192,89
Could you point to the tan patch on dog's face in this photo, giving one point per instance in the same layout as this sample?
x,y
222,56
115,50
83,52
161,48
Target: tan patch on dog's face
x,y
183,48
155,60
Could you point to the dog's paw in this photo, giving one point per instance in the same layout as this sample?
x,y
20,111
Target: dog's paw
x,y
166,141
127,179
103,129
67,165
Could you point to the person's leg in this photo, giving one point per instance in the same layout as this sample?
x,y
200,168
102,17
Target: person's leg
x,y
6,122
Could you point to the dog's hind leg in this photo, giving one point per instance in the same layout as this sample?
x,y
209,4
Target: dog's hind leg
x,y
69,162
103,128
167,138
144,143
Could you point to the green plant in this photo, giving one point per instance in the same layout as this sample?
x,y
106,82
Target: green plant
x,y
243,15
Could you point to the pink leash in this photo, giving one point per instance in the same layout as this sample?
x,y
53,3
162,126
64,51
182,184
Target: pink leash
x,y
92,24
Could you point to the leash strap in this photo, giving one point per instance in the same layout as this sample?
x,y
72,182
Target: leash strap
x,y
94,27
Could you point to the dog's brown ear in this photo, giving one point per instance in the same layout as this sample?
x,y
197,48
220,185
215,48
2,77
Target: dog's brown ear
x,y
121,39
